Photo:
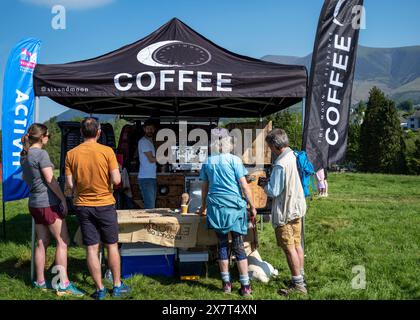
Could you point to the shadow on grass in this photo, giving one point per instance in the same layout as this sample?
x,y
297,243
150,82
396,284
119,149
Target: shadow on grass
x,y
21,270
170,281
19,228
213,273
19,233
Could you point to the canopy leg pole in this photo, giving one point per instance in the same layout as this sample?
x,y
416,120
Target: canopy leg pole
x,y
33,251
33,222
303,218
261,217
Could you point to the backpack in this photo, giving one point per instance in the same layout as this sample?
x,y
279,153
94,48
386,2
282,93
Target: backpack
x,y
306,171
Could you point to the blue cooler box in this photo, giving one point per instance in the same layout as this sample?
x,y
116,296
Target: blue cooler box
x,y
147,259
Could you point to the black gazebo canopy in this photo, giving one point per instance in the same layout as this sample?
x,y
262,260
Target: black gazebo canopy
x,y
174,71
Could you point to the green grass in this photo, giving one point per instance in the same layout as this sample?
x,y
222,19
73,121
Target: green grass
x,y
368,220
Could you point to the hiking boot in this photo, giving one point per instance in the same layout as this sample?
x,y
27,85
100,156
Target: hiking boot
x,y
121,291
300,288
227,287
99,294
288,283
69,290
245,291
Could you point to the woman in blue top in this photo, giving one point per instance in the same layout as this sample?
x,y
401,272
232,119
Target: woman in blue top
x,y
224,181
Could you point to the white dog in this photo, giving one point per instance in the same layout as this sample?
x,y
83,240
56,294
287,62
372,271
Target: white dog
x,y
260,270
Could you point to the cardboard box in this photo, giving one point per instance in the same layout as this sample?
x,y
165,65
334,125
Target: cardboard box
x,y
160,227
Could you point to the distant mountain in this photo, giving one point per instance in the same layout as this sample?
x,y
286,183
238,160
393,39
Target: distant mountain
x,y
396,71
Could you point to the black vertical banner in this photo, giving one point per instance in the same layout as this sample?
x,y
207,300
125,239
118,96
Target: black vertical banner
x,y
331,81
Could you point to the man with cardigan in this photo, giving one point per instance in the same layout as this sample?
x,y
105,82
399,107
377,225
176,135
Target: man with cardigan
x,y
288,206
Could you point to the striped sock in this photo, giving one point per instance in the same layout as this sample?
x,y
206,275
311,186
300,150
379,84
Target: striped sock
x,y
302,272
244,280
225,276
297,279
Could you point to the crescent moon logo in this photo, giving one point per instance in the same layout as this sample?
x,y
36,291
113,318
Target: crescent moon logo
x,y
153,56
145,56
337,12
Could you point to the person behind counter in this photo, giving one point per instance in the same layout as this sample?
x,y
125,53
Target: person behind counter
x,y
223,177
147,169
90,169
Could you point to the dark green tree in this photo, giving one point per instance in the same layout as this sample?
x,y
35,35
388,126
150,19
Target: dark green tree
x,y
413,159
291,122
381,137
54,144
353,143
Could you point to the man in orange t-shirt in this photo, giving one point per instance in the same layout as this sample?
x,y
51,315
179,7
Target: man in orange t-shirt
x,y
91,169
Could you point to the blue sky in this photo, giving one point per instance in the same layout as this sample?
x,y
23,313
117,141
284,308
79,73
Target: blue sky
x,y
248,27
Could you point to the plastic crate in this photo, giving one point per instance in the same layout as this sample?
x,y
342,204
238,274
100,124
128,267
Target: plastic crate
x,y
192,265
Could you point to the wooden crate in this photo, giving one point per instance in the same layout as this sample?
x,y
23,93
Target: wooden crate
x,y
176,185
174,182
171,179
135,188
168,202
259,152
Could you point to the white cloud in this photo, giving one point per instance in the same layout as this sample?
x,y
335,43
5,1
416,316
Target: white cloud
x,y
71,4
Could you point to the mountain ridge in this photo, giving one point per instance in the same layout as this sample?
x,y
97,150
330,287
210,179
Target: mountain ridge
x,y
396,71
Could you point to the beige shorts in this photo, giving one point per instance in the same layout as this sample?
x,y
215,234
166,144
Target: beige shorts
x,y
289,235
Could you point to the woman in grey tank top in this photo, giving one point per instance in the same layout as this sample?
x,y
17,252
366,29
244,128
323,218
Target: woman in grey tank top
x,y
47,206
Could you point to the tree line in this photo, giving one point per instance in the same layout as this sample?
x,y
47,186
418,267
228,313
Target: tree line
x,y
376,141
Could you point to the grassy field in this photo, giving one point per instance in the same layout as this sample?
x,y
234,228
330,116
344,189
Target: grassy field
x,y
369,220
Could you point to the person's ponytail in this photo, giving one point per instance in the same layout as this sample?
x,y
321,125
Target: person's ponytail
x,y
25,145
34,135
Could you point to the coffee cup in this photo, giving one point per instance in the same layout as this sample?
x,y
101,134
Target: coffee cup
x,y
184,208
